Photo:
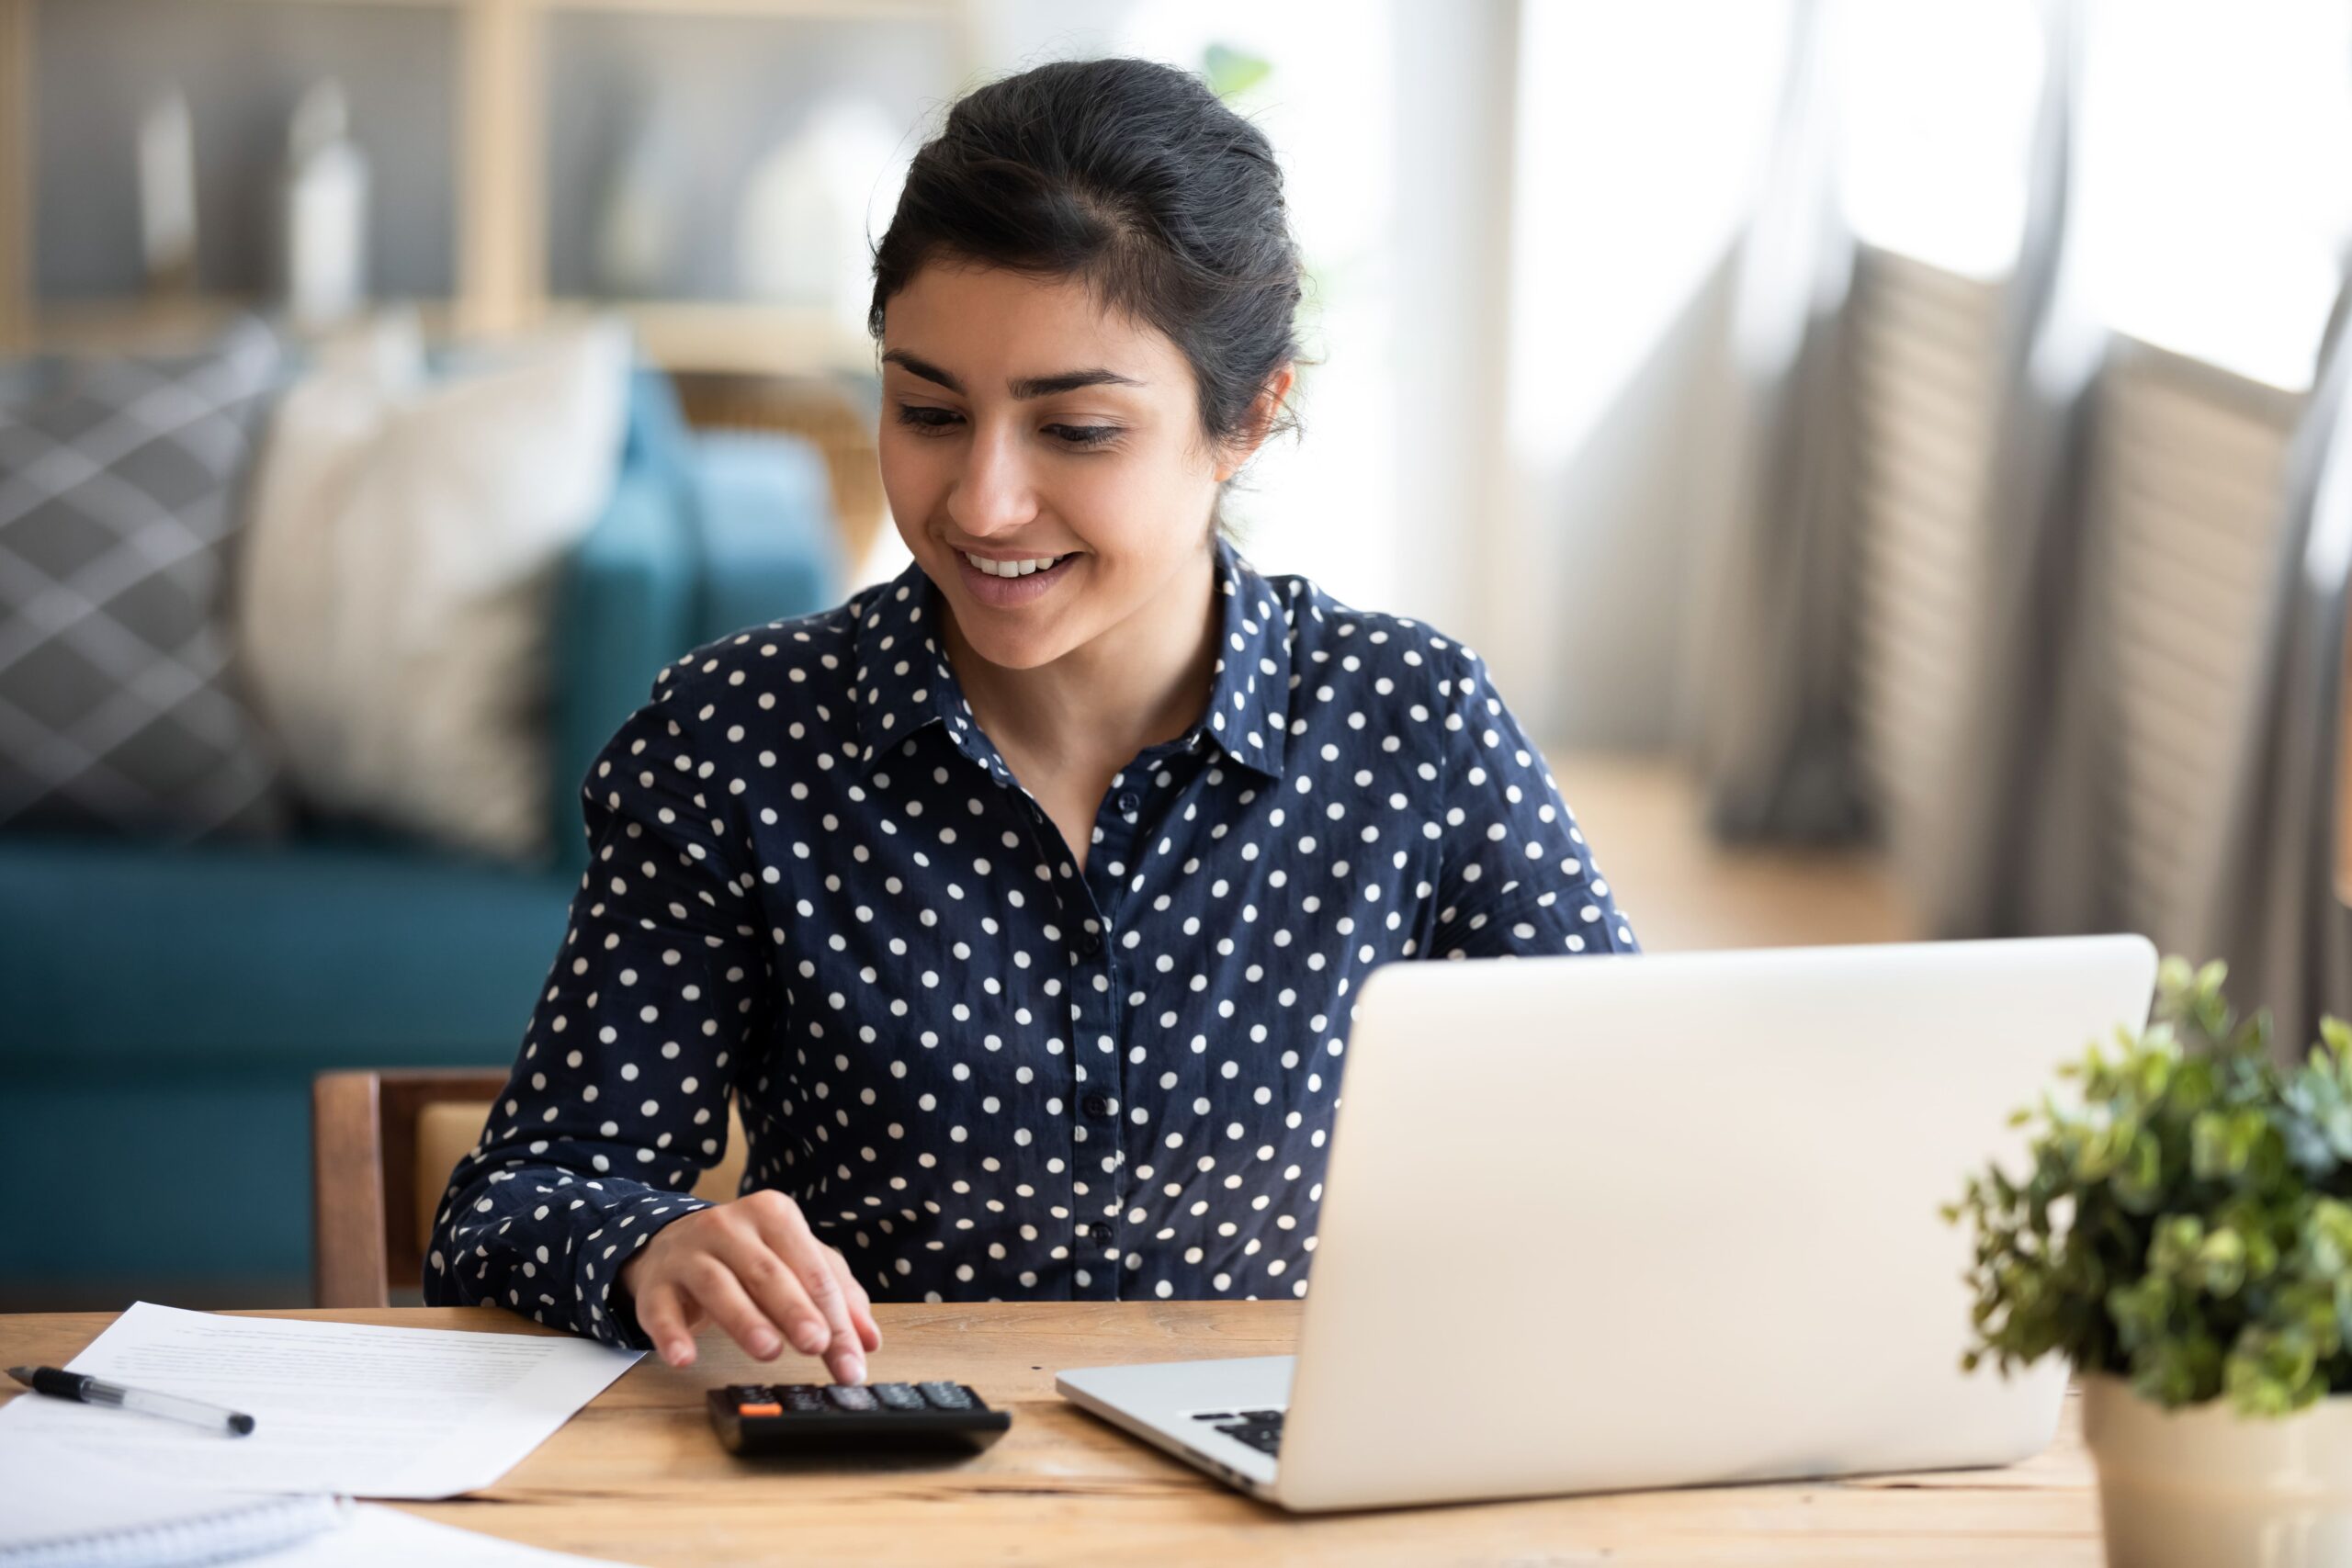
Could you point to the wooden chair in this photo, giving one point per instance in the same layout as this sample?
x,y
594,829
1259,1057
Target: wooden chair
x,y
383,1147
817,410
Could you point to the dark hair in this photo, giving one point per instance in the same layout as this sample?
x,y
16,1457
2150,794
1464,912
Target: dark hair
x,y
1135,177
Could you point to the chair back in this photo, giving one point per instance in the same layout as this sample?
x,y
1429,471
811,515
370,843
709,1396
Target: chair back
x,y
383,1147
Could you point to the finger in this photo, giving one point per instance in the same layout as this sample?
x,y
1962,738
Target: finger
x,y
714,1284
861,1305
811,1262
662,1316
773,1285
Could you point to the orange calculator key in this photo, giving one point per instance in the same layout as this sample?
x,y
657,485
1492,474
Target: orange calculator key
x,y
770,1409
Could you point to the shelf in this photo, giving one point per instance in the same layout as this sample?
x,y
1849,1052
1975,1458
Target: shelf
x,y
762,339
678,335
496,139
96,325
765,10
780,10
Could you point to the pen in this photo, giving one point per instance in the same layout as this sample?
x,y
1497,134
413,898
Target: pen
x,y
61,1384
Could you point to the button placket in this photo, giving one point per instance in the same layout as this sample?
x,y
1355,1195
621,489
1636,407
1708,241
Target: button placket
x,y
1090,1131
1097,1011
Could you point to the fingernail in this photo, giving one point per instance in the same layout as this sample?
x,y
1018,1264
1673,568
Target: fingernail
x,y
764,1345
681,1353
857,1369
811,1338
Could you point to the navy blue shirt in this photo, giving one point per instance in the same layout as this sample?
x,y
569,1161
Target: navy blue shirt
x,y
979,1069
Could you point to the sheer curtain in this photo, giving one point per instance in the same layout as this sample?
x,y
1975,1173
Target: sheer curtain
x,y
2019,854
1771,702
2275,915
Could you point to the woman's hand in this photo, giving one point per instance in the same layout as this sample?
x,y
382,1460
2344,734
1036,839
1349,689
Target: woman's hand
x,y
756,1267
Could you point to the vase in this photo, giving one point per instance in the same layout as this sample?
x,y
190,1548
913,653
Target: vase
x,y
813,208
2203,1486
323,211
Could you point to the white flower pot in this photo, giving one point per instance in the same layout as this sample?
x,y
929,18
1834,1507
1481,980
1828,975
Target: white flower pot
x,y
2205,1487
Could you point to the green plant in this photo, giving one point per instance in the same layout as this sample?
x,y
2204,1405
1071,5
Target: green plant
x,y
1231,72
2188,1223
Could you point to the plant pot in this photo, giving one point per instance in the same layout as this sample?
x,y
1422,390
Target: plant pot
x,y
2205,1487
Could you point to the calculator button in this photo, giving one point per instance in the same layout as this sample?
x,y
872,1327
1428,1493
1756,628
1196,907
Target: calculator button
x,y
753,1408
947,1395
1261,1418
896,1395
801,1397
748,1392
850,1396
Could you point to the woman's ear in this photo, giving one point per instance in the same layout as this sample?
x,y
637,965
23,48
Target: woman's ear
x,y
1263,413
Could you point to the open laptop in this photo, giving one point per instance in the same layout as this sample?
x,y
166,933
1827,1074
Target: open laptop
x,y
1628,1221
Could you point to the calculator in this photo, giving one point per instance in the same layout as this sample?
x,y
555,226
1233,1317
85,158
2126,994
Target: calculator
x,y
815,1418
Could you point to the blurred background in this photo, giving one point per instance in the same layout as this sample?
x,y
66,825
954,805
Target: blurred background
x,y
1888,451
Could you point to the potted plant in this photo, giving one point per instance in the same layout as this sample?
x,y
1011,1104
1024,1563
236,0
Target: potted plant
x,y
2184,1238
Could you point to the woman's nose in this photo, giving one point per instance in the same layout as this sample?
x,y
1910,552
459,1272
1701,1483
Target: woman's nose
x,y
993,492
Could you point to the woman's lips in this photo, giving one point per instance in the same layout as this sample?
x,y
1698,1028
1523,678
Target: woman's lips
x,y
1011,593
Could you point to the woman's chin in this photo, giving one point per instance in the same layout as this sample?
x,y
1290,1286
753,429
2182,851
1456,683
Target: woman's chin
x,y
1013,649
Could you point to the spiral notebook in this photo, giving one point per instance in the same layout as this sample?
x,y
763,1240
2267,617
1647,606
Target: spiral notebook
x,y
66,1509
61,1508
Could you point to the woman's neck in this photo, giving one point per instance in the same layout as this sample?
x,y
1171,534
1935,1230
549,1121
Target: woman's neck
x,y
1144,681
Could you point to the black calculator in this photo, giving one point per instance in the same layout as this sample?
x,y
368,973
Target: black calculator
x,y
815,1418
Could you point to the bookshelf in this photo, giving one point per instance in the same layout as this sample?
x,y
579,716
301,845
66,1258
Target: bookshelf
x,y
499,186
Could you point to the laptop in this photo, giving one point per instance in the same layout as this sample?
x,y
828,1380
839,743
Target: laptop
x,y
1596,1224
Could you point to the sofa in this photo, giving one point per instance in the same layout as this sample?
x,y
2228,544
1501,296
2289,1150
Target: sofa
x,y
162,1010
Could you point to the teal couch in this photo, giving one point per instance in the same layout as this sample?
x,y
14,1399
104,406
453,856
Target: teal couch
x,y
162,1010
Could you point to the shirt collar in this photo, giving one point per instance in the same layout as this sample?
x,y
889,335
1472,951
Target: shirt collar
x,y
1249,699
902,681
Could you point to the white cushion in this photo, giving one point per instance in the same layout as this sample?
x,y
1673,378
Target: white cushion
x,y
398,574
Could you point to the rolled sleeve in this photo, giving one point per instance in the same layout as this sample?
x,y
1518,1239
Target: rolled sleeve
x,y
618,1100
1515,874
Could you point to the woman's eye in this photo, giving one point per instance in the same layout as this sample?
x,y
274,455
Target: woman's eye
x,y
924,418
929,420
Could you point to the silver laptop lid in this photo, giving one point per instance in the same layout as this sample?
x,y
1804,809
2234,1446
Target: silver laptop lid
x,y
1633,1221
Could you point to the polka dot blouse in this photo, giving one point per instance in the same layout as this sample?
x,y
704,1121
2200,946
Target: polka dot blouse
x,y
982,1071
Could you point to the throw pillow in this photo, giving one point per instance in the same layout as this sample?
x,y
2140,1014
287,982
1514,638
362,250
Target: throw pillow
x,y
120,484
398,583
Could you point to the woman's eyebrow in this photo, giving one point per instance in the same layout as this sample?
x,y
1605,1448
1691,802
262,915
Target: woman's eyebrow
x,y
1025,387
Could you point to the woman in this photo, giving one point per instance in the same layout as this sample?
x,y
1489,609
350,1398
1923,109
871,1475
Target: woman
x,y
1020,901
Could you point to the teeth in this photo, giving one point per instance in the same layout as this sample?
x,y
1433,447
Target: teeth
x,y
1011,567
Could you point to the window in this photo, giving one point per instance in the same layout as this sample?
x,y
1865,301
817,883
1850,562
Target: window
x,y
1938,115
2217,183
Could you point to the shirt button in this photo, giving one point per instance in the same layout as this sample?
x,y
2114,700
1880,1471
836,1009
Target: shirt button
x,y
1098,1105
1128,801
1090,943
1102,1233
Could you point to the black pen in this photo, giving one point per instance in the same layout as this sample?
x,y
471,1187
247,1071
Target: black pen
x,y
61,1384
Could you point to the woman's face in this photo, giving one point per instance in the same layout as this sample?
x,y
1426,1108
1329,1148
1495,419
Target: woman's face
x,y
1022,422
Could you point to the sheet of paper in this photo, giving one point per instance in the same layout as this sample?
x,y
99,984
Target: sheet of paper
x,y
386,1538
347,1408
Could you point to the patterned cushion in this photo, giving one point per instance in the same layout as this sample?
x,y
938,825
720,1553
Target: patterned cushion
x,y
120,493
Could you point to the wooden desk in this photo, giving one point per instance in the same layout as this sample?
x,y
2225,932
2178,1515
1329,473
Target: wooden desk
x,y
637,1477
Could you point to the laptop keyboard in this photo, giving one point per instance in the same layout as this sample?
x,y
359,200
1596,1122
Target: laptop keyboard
x,y
1261,1429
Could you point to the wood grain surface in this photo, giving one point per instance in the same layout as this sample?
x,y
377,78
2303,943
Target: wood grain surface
x,y
636,1476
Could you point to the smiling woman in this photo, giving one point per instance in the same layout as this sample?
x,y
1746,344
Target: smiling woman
x,y
1020,901
1028,420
